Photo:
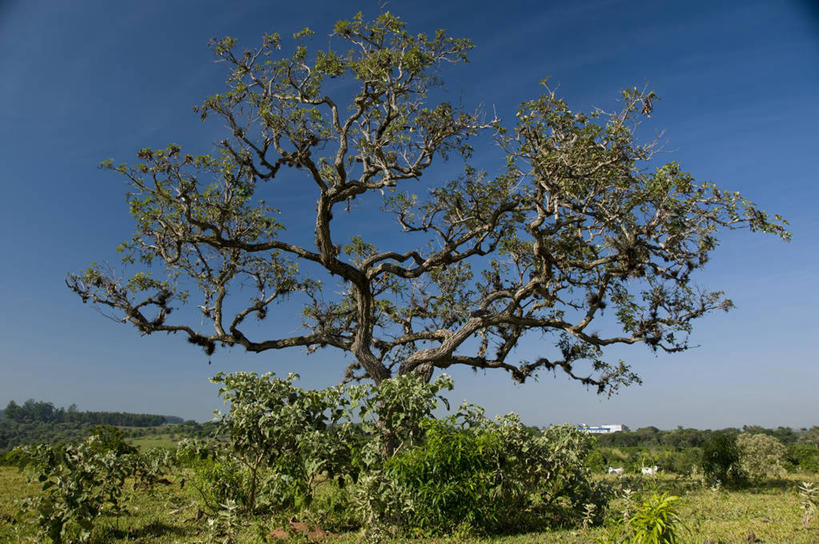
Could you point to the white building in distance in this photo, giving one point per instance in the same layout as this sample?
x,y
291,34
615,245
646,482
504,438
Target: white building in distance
x,y
602,429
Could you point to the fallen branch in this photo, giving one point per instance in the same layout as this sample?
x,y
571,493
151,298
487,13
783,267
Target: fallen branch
x,y
181,508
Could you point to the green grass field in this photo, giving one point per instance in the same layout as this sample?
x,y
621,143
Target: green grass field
x,y
154,441
170,513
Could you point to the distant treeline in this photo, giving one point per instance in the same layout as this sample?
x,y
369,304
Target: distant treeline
x,y
680,450
40,422
14,434
32,411
35,421
681,438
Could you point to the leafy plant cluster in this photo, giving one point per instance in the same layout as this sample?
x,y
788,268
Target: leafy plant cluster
x,y
655,521
81,482
374,456
13,434
369,456
809,497
497,475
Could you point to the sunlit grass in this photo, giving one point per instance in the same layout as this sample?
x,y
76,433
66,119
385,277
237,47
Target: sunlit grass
x,y
154,441
171,513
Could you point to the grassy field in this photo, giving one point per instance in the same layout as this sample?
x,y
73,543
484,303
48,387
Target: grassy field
x,y
154,441
170,513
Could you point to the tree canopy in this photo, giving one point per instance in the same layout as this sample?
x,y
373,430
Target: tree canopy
x,y
577,237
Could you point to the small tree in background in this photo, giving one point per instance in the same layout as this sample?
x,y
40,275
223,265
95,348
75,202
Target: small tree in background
x,y
761,455
720,459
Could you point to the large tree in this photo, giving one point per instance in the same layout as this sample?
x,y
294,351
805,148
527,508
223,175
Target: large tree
x,y
572,238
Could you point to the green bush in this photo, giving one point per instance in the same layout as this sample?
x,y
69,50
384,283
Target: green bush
x,y
490,476
804,457
216,474
721,459
285,438
596,462
761,455
451,478
79,482
376,456
550,464
219,481
656,521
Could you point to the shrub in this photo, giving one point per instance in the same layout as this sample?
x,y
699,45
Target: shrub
x,y
656,521
450,478
378,452
393,413
551,463
219,481
491,476
596,462
277,430
79,482
761,455
809,497
805,457
721,461
153,463
190,452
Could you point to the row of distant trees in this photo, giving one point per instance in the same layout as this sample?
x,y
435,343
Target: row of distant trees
x,y
681,449
681,438
41,422
32,411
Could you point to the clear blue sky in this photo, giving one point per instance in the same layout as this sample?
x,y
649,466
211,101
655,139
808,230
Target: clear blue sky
x,y
739,81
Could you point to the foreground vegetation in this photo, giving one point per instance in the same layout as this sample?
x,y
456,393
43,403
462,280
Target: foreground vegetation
x,y
371,463
771,511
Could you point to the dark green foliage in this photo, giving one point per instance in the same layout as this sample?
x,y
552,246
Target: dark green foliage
x,y
804,457
40,423
452,478
720,459
495,476
652,437
110,439
786,435
681,438
15,433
